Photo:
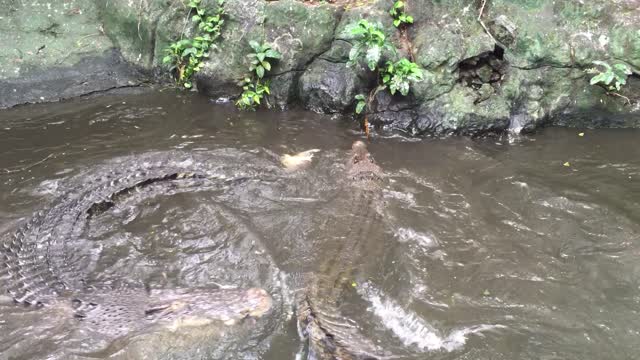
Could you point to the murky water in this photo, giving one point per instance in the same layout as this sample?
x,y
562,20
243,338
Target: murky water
x,y
492,249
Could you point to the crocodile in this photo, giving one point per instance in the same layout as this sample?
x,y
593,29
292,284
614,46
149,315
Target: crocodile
x,y
40,268
328,334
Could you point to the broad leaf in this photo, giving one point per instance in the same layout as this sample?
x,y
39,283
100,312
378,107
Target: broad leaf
x,y
622,68
373,56
354,53
598,78
260,71
271,53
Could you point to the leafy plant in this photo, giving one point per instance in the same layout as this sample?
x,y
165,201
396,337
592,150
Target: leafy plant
x,y
610,77
370,41
361,103
252,94
398,14
261,58
186,55
254,89
397,76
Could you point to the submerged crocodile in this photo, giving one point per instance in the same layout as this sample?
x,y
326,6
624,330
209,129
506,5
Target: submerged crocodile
x,y
329,335
39,268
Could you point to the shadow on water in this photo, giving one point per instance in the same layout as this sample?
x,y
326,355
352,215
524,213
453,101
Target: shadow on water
x,y
493,249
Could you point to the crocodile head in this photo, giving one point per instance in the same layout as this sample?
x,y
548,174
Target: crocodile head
x,y
127,313
361,165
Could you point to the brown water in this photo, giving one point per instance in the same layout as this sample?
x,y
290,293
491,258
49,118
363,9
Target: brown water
x,y
493,248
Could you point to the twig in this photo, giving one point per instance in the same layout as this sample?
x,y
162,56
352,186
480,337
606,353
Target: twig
x,y
619,95
186,21
12,171
484,3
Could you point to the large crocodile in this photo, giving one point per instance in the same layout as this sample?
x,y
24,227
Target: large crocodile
x,y
329,335
39,268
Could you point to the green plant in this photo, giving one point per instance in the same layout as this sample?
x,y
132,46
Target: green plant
x,y
610,77
261,58
361,103
398,14
253,88
186,55
397,76
252,94
370,40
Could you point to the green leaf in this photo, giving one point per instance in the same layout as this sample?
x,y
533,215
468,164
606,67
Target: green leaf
x,y
255,46
603,64
167,59
598,78
189,51
409,19
608,77
260,71
355,51
621,81
622,68
360,97
256,99
195,18
360,106
396,23
260,56
187,84
274,54
373,56
266,65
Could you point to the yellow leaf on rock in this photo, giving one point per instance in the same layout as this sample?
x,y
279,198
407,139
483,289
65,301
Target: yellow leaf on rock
x,y
567,164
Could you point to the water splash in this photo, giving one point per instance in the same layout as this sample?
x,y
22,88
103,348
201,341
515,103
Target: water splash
x,y
407,234
413,330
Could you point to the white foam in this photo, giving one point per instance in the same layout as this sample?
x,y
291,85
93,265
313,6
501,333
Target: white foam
x,y
413,330
405,197
407,234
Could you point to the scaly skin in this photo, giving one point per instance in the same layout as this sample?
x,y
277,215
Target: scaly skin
x,y
39,266
329,336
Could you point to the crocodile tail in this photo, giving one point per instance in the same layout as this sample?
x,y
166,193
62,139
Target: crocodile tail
x,y
330,337
26,277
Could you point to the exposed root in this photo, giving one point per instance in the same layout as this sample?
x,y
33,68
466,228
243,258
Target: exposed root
x,y
613,93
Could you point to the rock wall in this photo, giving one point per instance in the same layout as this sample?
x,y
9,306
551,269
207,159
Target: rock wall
x,y
527,72
52,50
